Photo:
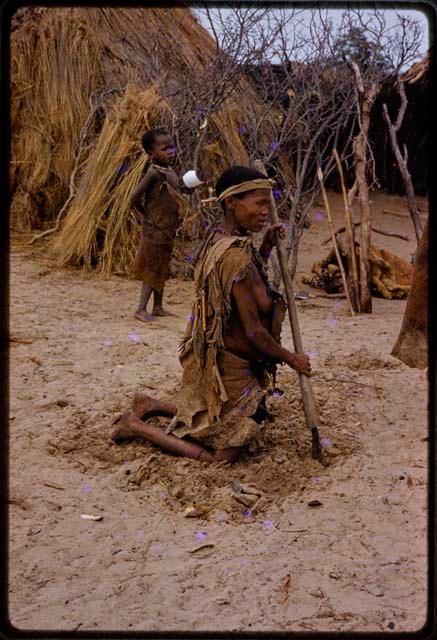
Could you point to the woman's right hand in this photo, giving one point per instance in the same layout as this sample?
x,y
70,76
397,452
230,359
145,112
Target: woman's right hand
x,y
301,363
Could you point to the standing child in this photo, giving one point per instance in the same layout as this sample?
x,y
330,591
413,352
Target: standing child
x,y
160,221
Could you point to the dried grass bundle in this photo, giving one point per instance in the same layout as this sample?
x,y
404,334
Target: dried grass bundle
x,y
100,228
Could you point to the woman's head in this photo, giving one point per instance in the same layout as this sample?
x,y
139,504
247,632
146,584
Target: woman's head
x,y
157,144
244,194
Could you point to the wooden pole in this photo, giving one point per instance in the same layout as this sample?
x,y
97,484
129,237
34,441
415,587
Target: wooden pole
x,y
309,403
351,237
365,98
402,161
334,240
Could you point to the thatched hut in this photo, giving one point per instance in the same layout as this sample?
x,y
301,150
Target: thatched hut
x,y
413,132
85,83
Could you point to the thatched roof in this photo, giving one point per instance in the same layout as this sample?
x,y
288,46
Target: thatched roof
x,y
418,71
68,146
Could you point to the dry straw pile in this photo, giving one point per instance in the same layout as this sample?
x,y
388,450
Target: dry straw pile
x,y
84,88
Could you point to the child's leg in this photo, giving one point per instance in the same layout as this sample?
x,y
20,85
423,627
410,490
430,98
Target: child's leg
x,y
157,304
141,313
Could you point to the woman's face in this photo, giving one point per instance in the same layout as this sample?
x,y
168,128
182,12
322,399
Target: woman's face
x,y
251,212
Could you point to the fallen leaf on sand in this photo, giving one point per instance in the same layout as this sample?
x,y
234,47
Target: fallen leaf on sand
x,y
207,545
53,485
285,583
315,503
409,482
36,360
20,340
284,587
195,511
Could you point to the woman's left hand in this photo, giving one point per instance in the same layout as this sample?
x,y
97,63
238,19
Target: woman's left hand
x,y
270,235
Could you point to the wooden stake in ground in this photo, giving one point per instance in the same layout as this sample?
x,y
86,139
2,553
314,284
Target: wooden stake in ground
x,y
334,240
351,237
403,160
309,403
365,99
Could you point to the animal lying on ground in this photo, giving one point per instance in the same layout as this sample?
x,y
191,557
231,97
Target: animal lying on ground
x,y
390,275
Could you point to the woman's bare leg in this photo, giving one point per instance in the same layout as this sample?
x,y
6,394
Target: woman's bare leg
x,y
145,406
130,426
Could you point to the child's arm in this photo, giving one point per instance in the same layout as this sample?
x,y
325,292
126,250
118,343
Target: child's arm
x,y
143,186
166,171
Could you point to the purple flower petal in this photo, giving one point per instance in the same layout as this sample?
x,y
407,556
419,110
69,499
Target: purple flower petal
x,y
332,322
276,194
242,130
134,337
268,524
247,513
325,442
312,355
274,146
319,215
191,317
86,488
107,342
201,536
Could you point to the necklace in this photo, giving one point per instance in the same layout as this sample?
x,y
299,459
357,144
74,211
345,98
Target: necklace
x,y
227,233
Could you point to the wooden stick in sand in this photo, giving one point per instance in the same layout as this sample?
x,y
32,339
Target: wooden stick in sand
x,y
309,403
351,237
334,240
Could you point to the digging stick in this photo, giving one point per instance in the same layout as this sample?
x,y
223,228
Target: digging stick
x,y
334,241
309,403
351,236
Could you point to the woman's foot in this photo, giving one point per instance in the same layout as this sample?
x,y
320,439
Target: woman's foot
x,y
143,316
125,430
145,406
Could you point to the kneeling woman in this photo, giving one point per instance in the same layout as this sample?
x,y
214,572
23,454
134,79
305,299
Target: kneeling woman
x,y
231,345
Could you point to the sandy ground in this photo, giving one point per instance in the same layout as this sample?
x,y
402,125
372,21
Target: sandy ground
x,y
356,561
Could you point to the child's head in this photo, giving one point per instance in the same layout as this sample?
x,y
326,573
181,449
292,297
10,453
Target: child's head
x,y
158,145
